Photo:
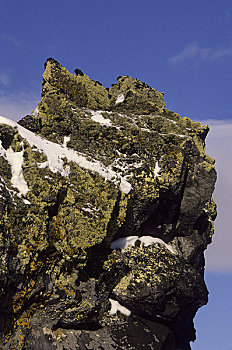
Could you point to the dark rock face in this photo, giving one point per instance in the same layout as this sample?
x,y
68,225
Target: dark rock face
x,y
106,210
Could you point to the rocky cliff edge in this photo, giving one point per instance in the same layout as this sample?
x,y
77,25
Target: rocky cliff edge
x,y
106,210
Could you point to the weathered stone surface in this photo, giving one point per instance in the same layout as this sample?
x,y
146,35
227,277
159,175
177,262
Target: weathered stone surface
x,y
89,171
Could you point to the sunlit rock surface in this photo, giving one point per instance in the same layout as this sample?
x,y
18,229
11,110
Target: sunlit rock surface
x,y
106,210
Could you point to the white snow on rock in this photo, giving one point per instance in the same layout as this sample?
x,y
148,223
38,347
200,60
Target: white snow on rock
x,y
157,169
125,186
148,240
66,140
120,99
124,165
115,306
56,153
88,210
35,112
172,133
123,243
26,201
97,117
15,159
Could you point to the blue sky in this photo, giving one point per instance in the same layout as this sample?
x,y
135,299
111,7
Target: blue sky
x,y
183,48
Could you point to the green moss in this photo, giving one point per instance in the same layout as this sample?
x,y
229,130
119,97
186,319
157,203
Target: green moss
x,y
138,96
66,230
5,169
153,272
6,135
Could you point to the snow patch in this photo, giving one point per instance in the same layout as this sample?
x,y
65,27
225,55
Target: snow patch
x,y
145,129
66,140
172,133
88,210
26,201
120,99
148,240
126,165
157,169
123,243
115,306
125,186
43,165
15,159
57,153
97,117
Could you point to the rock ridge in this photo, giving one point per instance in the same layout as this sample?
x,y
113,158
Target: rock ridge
x,y
106,210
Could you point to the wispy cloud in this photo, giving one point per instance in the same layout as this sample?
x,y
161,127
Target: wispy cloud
x,y
17,105
219,146
227,16
194,51
11,39
5,78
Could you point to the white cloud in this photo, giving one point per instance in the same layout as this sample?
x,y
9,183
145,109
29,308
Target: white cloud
x,y
227,16
17,105
4,79
11,39
219,146
194,51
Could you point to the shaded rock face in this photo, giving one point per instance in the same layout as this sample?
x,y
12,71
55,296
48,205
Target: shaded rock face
x,y
106,210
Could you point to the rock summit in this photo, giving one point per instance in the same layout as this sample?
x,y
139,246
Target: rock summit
x,y
106,210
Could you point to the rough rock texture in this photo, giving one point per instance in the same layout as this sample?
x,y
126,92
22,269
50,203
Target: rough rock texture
x,y
105,216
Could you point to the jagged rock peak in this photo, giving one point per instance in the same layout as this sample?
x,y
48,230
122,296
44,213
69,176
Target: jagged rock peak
x,y
127,95
106,210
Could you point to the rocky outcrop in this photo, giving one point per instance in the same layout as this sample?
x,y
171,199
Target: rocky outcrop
x,y
106,210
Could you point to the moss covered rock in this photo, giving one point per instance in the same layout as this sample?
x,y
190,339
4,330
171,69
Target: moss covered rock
x,y
106,210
